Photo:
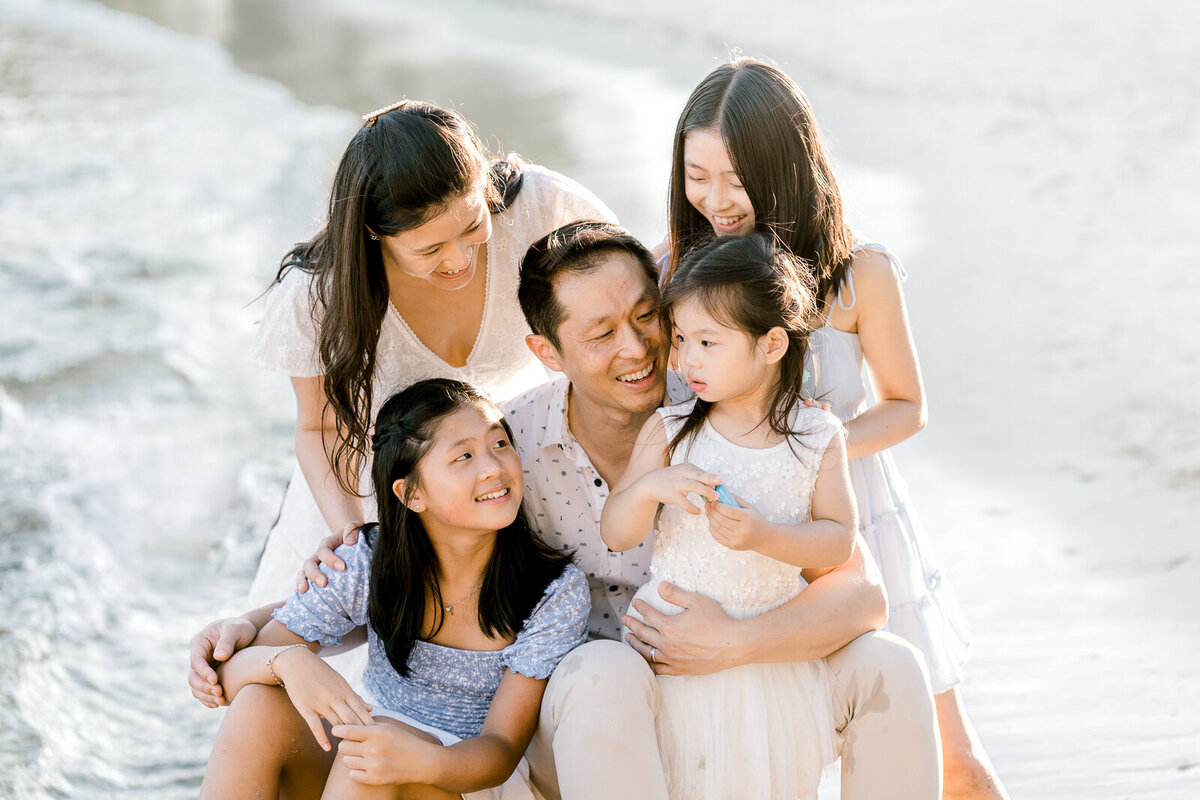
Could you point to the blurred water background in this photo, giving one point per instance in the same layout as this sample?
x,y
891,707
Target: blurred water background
x,y
1032,165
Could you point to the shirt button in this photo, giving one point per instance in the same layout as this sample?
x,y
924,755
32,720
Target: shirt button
x,y
598,482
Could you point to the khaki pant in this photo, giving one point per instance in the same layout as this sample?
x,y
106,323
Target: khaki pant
x,y
595,738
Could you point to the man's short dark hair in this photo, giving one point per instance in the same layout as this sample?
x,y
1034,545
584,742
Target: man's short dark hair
x,y
574,248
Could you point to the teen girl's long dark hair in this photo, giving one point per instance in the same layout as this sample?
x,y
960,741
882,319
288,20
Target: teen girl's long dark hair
x,y
399,171
403,561
751,283
774,144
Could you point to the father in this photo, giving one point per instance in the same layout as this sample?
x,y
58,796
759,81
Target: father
x,y
589,293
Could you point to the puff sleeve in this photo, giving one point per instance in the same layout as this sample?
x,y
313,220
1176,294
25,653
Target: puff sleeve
x,y
287,339
327,613
557,625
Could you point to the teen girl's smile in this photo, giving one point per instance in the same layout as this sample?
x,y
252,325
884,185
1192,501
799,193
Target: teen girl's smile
x,y
712,186
444,250
471,477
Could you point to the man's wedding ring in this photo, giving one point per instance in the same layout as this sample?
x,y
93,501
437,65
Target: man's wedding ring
x,y
653,655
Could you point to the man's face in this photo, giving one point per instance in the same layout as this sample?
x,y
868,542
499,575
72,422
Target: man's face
x,y
611,346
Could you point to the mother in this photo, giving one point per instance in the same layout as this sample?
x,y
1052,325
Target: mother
x,y
413,276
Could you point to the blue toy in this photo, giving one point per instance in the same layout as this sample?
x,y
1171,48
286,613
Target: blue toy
x,y
725,497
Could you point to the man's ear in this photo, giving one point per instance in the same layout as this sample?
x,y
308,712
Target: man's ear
x,y
774,344
416,503
544,350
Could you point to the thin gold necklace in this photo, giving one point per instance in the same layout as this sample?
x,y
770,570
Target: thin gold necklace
x,y
449,607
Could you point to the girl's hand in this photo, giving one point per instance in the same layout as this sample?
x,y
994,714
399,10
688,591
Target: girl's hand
x,y
386,753
741,528
671,486
318,691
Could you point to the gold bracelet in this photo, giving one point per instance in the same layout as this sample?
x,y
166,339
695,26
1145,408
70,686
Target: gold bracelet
x,y
275,655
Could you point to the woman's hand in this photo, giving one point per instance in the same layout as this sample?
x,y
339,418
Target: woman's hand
x,y
310,570
385,753
318,691
739,527
672,485
208,649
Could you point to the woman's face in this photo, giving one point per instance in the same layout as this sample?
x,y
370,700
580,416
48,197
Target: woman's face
x,y
443,251
712,186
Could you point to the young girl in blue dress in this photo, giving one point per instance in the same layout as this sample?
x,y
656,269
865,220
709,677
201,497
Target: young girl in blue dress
x,y
468,613
748,155
738,310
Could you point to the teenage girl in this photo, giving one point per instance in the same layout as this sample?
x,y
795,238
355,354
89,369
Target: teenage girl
x,y
738,310
468,613
748,155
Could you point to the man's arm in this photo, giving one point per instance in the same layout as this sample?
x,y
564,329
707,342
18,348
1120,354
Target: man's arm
x,y
838,606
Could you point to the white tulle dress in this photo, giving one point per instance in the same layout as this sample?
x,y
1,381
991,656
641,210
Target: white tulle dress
x,y
922,608
759,730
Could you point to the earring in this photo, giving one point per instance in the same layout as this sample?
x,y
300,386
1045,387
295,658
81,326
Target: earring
x,y
374,238
418,507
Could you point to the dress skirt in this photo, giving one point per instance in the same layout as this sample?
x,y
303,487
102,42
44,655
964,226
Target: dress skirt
x,y
752,731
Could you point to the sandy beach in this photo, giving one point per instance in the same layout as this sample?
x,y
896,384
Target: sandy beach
x,y
1031,162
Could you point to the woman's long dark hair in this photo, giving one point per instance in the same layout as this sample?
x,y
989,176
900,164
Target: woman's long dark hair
x,y
399,171
774,145
403,561
752,283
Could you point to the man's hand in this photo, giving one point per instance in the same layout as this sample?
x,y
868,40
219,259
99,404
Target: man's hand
x,y
696,641
310,571
216,643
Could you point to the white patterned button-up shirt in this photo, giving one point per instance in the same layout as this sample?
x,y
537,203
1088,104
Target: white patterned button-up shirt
x,y
564,496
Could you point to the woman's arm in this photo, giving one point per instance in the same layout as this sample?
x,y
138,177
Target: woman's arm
x,y
647,482
838,606
316,436
882,324
826,540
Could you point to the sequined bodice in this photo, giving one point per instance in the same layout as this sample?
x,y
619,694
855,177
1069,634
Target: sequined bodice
x,y
777,480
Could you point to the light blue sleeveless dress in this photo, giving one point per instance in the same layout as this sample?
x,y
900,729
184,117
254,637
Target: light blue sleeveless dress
x,y
922,606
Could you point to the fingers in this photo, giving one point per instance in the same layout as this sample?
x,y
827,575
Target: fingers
x,y
676,597
352,711
362,710
350,533
644,635
660,664
229,641
326,556
351,733
313,720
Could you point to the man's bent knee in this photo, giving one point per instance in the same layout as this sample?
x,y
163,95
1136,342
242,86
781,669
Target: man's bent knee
x,y
601,677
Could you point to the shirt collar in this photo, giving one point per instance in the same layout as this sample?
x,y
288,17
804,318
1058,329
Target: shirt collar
x,y
556,431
